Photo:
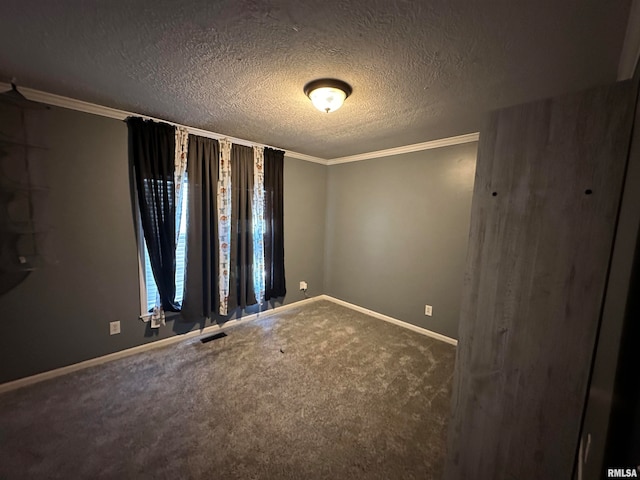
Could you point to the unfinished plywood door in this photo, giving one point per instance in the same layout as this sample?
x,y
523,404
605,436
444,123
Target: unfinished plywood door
x,y
548,186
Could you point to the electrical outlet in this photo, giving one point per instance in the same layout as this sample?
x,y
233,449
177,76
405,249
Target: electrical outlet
x,y
428,310
114,327
303,285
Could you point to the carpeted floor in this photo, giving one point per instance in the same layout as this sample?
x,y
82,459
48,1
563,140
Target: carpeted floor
x,y
315,392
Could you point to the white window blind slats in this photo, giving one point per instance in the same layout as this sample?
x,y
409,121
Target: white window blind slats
x,y
181,251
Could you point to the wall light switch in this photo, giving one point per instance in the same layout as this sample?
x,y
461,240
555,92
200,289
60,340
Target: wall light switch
x,y
428,310
114,327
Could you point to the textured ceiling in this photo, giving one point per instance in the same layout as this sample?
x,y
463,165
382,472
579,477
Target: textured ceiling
x,y
420,70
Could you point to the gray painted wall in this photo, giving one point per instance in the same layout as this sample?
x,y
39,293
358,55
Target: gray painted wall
x,y
397,230
60,315
305,204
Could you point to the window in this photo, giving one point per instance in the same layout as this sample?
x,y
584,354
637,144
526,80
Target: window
x,y
152,297
265,270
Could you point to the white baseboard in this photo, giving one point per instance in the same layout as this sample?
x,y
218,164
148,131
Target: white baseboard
x,y
40,377
395,321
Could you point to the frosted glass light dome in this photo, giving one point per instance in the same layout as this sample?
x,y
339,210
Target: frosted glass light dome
x,y
327,99
327,95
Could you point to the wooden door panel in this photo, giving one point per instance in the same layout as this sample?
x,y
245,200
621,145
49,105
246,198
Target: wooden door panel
x,y
548,186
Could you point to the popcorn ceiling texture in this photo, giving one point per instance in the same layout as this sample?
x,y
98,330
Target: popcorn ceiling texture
x,y
420,70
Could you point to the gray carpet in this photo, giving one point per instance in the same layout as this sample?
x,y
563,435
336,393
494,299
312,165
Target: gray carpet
x,y
315,392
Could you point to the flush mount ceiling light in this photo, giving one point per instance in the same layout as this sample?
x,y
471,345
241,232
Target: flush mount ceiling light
x,y
327,94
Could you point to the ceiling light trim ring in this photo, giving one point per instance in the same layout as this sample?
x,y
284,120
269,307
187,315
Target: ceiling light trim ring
x,y
327,83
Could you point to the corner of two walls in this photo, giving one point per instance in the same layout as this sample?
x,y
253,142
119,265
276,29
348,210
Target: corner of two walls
x,y
387,234
305,200
397,232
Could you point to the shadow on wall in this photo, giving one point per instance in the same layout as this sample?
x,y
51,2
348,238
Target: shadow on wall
x,y
24,218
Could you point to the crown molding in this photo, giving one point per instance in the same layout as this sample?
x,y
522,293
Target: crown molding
x,y
307,158
416,147
86,107
71,103
631,47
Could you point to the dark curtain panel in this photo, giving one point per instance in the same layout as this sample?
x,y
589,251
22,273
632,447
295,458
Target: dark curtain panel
x,y
152,149
241,291
275,285
201,292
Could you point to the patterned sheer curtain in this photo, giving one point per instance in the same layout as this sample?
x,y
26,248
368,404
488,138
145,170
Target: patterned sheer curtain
x,y
224,224
258,224
180,161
